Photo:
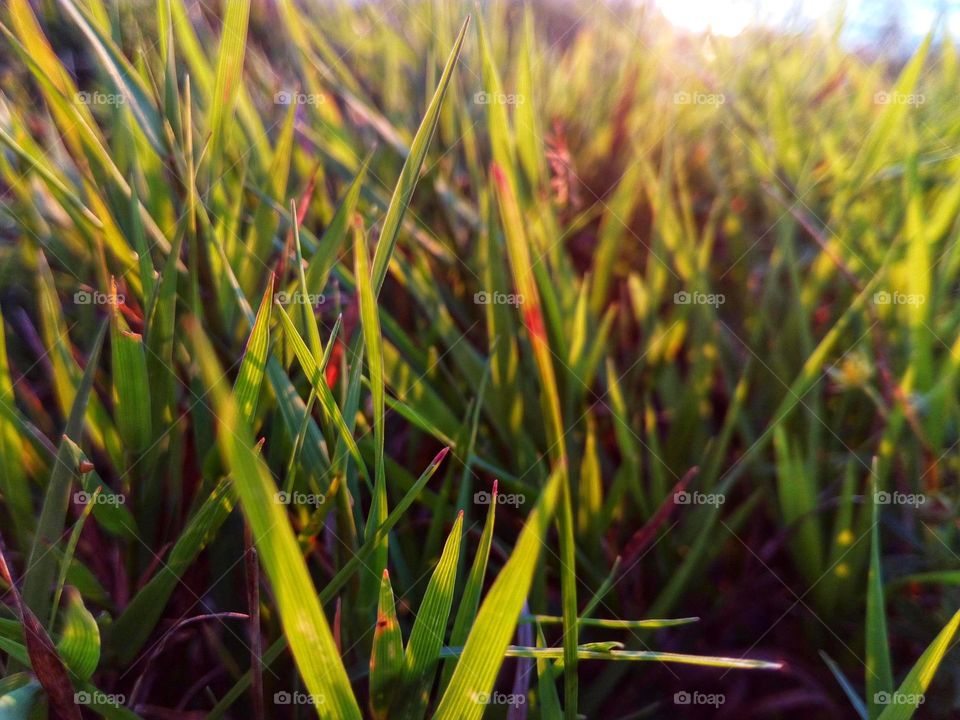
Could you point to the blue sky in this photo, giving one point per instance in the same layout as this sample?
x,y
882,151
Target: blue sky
x,y
864,19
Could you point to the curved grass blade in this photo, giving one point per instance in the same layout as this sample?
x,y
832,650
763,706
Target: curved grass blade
x,y
411,169
299,609
470,600
79,643
426,638
909,696
496,621
339,580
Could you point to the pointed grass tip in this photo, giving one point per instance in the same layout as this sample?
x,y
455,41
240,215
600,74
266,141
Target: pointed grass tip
x,y
438,458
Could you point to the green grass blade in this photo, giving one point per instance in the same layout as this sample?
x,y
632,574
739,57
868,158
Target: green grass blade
x,y
79,643
879,675
386,659
42,564
497,619
410,173
470,600
299,609
902,704
429,629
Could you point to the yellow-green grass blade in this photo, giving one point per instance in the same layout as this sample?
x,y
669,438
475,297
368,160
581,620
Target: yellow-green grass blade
x,y
386,659
79,643
299,609
410,173
373,346
609,651
339,580
319,383
518,251
483,653
333,238
611,624
226,86
429,629
470,599
122,75
42,562
905,702
13,479
66,561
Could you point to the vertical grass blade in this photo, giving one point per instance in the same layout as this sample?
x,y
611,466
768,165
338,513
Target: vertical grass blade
x,y
301,614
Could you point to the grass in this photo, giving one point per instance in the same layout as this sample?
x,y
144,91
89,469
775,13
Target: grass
x,y
436,360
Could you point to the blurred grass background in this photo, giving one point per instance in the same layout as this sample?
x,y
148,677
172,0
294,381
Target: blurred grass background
x,y
632,251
